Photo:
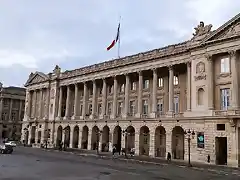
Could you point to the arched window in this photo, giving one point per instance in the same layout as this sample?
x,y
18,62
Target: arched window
x,y
200,96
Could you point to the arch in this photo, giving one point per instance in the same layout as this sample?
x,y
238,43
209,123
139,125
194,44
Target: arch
x,y
39,137
160,142
117,138
67,132
75,137
178,143
105,139
95,138
130,138
59,136
200,96
144,139
85,132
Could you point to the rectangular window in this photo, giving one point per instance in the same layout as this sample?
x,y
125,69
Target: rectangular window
x,y
176,105
175,80
109,108
99,109
133,86
110,89
120,106
160,106
225,65
160,82
81,109
90,108
146,84
122,86
132,108
225,98
145,107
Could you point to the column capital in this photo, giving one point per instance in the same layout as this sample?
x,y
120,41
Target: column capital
x,y
208,57
189,63
232,52
139,73
154,69
170,67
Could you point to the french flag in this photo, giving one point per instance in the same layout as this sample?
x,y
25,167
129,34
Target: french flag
x,y
115,40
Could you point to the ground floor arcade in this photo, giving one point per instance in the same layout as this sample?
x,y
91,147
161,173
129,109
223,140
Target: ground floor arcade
x,y
153,139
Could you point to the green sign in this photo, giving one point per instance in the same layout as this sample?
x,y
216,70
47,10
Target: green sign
x,y
200,140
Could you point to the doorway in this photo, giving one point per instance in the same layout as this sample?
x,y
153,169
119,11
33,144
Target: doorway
x,y
221,150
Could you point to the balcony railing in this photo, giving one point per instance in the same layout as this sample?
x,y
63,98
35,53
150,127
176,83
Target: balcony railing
x,y
226,112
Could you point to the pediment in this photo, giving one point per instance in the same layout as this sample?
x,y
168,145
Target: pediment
x,y
228,30
35,78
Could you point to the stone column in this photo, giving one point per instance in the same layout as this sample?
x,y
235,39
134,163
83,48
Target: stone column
x,y
152,145
67,102
210,82
84,100
46,103
10,110
89,139
104,98
80,139
76,102
188,86
35,103
126,102
114,112
171,90
94,99
235,84
20,110
71,137
154,94
60,102
140,87
137,143
40,104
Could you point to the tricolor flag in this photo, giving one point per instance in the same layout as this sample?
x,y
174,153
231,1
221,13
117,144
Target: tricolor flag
x,y
115,40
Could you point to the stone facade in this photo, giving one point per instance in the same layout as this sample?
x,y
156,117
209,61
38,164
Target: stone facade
x,y
148,101
12,102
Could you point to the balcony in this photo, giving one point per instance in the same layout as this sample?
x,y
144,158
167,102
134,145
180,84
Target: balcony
x,y
144,116
226,113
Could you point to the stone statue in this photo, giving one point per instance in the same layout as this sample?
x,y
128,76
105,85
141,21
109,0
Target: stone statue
x,y
31,75
57,70
201,29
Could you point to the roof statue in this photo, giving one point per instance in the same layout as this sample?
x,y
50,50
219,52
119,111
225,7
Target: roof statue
x,y
57,70
201,31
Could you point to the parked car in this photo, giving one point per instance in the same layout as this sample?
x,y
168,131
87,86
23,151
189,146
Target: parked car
x,y
6,149
11,143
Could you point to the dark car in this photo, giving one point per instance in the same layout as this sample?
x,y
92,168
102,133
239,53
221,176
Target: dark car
x,y
6,149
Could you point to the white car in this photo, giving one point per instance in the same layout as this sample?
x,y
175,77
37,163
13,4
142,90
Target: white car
x,y
11,143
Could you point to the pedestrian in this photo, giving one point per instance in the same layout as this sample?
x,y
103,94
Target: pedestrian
x,y
113,150
169,157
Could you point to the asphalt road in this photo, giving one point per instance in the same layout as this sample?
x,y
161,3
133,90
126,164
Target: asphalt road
x,y
36,164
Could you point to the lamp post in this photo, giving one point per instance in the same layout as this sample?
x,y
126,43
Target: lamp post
x,y
190,135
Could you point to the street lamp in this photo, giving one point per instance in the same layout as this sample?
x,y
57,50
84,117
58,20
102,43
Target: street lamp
x,y
190,135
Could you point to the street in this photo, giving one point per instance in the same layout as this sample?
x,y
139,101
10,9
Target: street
x,y
37,164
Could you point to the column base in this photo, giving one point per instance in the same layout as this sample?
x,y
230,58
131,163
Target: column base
x,y
169,114
138,115
112,116
65,118
153,115
59,118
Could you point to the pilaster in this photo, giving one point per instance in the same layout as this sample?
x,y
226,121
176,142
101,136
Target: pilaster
x,y
84,100
210,82
60,102
235,84
189,86
67,103
126,101
140,87
154,94
94,99
171,91
104,98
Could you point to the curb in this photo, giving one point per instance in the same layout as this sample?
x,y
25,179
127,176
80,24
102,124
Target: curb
x,y
209,168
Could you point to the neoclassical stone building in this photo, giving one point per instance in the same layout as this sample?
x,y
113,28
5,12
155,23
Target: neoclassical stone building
x,y
12,102
147,101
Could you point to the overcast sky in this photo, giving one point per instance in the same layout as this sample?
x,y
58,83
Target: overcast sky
x,y
38,34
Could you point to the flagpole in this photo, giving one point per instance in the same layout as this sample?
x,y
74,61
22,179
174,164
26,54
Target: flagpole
x,y
119,44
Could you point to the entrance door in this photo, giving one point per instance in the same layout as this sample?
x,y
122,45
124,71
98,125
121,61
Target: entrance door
x,y
221,150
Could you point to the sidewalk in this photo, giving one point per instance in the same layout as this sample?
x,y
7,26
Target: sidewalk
x,y
142,159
